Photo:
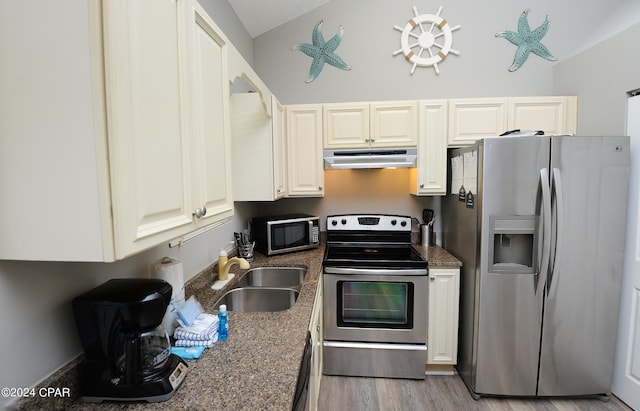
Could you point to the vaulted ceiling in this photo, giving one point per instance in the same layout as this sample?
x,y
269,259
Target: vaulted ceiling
x,y
258,17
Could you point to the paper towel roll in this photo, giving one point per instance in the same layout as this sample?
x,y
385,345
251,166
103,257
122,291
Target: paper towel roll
x,y
170,270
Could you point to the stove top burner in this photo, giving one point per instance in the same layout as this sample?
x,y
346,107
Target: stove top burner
x,y
371,241
373,256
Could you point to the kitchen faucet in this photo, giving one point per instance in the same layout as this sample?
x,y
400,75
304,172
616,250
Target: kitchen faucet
x,y
224,265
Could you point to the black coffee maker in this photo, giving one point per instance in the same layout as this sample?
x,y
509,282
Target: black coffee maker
x,y
127,352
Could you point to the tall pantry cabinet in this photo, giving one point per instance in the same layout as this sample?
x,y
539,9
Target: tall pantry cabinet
x,y
120,138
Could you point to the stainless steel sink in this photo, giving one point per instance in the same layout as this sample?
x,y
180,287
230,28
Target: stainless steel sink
x,y
273,277
258,299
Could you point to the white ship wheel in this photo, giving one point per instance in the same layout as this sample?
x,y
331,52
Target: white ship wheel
x,y
437,45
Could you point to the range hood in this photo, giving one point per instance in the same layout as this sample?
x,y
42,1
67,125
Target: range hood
x,y
370,158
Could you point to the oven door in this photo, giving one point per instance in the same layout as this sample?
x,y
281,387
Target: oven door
x,y
376,306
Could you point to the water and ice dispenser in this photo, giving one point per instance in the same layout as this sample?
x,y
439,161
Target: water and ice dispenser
x,y
513,244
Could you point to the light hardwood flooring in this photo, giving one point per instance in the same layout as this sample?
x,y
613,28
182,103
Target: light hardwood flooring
x,y
437,393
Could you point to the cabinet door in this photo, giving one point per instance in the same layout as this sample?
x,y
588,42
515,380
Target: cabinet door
x,y
394,124
209,87
442,329
148,144
472,119
346,125
54,172
304,151
279,149
553,115
316,329
430,175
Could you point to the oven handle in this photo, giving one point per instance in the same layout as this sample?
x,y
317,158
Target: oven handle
x,y
382,346
375,271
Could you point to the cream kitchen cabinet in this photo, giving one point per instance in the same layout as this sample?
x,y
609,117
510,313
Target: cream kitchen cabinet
x,y
429,177
316,330
210,122
120,145
370,125
305,172
442,326
553,115
472,119
259,151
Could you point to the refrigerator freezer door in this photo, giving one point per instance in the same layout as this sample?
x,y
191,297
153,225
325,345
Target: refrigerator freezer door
x,y
581,309
510,305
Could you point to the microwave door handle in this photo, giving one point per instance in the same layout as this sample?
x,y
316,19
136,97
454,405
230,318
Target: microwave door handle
x,y
546,229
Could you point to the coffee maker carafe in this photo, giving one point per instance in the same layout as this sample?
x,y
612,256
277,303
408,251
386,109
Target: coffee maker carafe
x,y
127,352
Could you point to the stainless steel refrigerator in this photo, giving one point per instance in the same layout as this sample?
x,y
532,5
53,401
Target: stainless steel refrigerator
x,y
539,224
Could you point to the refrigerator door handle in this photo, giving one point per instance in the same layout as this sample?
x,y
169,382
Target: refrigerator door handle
x,y
546,229
556,186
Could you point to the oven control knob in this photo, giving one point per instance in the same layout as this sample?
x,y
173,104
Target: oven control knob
x,y
334,222
403,223
394,222
344,221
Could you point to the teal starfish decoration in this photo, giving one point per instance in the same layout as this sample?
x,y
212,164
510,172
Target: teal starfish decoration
x,y
322,52
527,41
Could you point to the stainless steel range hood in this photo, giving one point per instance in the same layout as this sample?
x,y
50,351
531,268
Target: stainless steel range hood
x,y
370,158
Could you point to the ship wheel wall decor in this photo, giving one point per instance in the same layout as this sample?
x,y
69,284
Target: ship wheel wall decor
x,y
437,45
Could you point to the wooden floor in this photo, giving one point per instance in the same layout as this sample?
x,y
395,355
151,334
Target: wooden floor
x,y
436,392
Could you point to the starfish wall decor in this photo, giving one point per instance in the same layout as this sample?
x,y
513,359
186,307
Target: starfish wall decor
x,y
322,52
527,41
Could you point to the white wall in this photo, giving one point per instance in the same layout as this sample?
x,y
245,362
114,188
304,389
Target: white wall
x,y
479,71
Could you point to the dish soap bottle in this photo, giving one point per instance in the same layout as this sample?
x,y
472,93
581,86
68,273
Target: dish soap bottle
x,y
223,326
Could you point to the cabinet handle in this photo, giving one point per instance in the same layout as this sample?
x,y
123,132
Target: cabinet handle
x,y
200,212
432,278
421,185
372,139
319,188
366,140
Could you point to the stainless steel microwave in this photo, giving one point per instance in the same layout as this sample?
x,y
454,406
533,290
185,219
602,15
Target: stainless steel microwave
x,y
285,233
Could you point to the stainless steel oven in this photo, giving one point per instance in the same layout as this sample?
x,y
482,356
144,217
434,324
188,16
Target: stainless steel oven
x,y
375,298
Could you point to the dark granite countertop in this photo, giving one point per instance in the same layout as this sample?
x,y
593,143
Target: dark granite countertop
x,y
437,256
255,369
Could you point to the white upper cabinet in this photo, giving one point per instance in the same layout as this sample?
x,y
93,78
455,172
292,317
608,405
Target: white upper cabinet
x,y
210,122
553,115
259,152
279,127
370,125
305,170
149,144
168,117
473,119
394,124
429,177
141,147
